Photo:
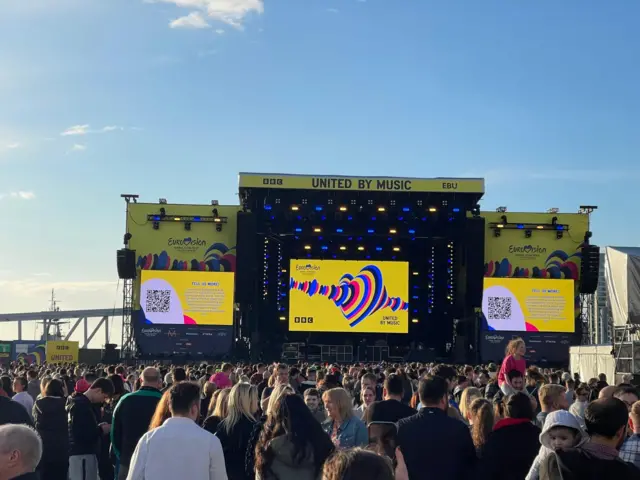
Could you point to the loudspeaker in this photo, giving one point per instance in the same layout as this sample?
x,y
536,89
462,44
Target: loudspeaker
x,y
589,269
126,263
474,260
246,257
110,354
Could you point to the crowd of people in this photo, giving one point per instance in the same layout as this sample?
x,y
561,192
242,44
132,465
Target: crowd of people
x,y
329,422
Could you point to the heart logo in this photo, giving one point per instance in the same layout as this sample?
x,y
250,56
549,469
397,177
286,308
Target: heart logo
x,y
357,297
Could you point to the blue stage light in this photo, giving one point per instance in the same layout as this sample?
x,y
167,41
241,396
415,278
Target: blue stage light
x,y
349,218
424,219
413,239
429,310
415,297
156,218
406,209
559,227
272,217
338,230
324,217
400,218
415,310
520,226
373,218
335,256
299,217
196,219
378,249
267,207
412,231
456,210
320,238
393,257
416,287
324,247
318,208
298,230
368,257
359,238
371,230
350,238
296,237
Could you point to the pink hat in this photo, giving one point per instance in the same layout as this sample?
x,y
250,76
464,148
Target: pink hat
x,y
82,386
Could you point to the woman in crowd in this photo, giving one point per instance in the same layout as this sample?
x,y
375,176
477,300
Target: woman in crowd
x,y
357,463
367,397
514,360
235,429
208,390
212,421
292,444
343,426
578,407
162,412
469,394
50,421
481,420
514,443
6,386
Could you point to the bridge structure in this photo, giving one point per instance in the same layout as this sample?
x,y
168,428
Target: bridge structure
x,y
76,318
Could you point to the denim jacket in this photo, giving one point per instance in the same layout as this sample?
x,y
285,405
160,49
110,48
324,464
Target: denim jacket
x,y
352,433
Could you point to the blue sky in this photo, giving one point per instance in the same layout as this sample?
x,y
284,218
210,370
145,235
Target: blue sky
x,y
172,98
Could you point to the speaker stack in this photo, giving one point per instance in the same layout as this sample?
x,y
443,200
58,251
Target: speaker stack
x,y
589,269
126,260
110,354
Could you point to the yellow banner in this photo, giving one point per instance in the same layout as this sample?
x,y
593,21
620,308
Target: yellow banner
x,y
529,305
187,298
349,296
60,351
371,184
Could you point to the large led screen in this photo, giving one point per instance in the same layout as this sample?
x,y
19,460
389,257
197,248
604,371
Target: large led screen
x,y
529,305
349,296
187,298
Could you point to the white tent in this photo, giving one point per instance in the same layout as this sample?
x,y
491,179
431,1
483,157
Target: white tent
x,y
622,275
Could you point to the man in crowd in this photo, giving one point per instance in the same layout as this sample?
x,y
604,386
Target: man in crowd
x,y
391,409
310,382
626,394
132,417
85,431
20,452
606,422
179,448
630,451
13,412
221,379
552,397
34,384
21,396
431,439
370,380
312,400
282,378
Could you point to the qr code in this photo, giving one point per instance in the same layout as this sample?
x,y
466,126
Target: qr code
x,y
158,301
499,308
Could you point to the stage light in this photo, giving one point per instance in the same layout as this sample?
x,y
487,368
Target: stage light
x,y
156,225
400,218
338,230
554,221
424,219
559,227
381,209
349,218
520,226
373,219
396,249
500,225
267,207
176,219
378,249
392,231
319,208
412,231
324,247
284,270
295,208
371,230
217,220
415,274
215,212
163,212
282,319
317,229
433,209
406,209
414,320
298,230
527,233
156,218
540,227
496,232
559,234
343,248
343,209
307,247
456,210
361,248
187,226
196,219
218,227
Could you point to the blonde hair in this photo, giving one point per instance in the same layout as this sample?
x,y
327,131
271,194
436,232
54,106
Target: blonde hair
x,y
222,405
469,394
341,401
513,345
362,392
272,400
550,393
483,419
243,402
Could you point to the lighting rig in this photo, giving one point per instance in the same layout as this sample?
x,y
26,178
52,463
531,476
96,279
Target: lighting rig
x,y
528,228
186,220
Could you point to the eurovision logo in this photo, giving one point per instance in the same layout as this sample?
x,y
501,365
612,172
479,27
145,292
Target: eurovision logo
x,y
150,332
186,244
527,250
308,268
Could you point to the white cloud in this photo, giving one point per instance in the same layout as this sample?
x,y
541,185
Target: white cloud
x,y
28,287
333,10
231,12
18,195
193,20
112,128
13,146
220,31
76,130
77,147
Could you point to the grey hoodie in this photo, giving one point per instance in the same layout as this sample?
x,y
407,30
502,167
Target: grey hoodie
x,y
560,418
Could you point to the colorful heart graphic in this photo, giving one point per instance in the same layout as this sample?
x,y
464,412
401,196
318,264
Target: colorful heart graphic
x,y
357,297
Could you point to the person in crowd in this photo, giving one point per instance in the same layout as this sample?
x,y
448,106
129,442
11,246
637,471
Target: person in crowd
x,y
131,418
85,430
606,391
162,412
371,381
367,398
312,400
514,360
407,387
625,393
212,421
357,463
581,401
391,409
570,390
21,395
292,444
50,420
33,386
561,431
606,422
179,448
630,450
43,385
468,395
513,444
432,438
106,460
208,389
6,386
20,453
343,426
481,421
234,431
552,397
280,377
221,379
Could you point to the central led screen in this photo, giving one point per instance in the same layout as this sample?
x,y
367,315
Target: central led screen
x,y
349,296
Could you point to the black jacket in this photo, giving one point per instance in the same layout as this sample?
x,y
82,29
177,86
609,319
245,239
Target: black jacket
x,y
430,439
578,464
50,419
13,412
84,433
234,447
131,419
387,411
509,451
